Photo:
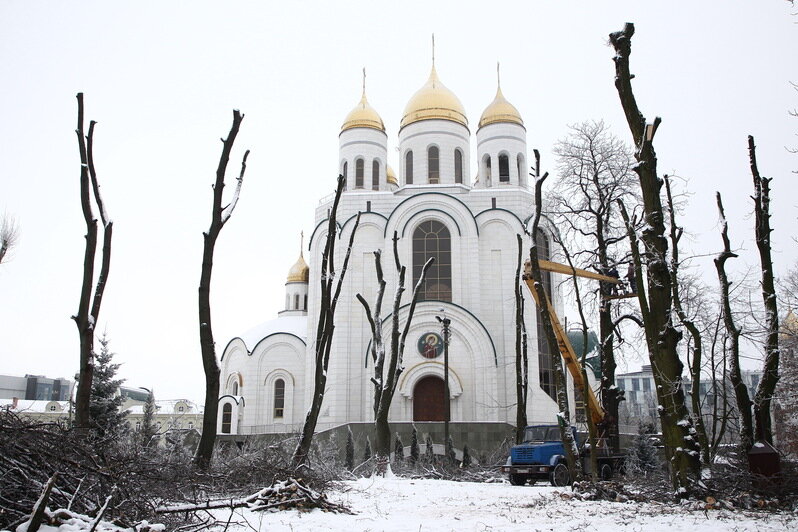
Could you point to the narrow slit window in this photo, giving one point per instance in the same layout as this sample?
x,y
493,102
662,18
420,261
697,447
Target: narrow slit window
x,y
504,169
409,168
375,175
279,398
359,173
433,165
458,166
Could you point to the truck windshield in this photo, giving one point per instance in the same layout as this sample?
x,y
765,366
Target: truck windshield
x,y
542,434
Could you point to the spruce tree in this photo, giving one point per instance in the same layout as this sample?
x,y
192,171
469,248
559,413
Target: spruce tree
x,y
414,450
399,450
429,454
466,462
148,428
105,402
367,451
350,449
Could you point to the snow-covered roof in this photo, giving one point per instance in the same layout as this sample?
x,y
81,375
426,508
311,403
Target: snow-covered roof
x,y
168,406
32,406
296,325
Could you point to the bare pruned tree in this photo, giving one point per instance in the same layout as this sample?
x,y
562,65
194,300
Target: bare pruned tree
x,y
220,215
90,298
543,301
521,351
385,379
594,169
662,337
331,283
9,235
762,230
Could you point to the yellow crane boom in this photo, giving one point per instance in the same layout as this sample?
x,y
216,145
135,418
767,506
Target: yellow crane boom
x,y
564,344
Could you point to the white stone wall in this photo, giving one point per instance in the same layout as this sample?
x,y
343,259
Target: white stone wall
x,y
497,139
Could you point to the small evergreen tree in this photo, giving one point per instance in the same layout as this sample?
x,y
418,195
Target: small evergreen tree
x,y
148,428
466,462
415,452
350,449
450,456
399,450
429,454
367,452
105,402
643,456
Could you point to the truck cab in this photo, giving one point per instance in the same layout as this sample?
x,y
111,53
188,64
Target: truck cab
x,y
538,457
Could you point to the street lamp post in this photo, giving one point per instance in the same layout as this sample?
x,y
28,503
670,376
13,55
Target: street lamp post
x,y
448,414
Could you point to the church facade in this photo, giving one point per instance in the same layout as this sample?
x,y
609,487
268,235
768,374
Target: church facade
x,y
468,224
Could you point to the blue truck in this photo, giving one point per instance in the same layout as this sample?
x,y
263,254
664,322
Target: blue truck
x,y
541,456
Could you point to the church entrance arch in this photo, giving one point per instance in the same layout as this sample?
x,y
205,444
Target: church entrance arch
x,y
428,399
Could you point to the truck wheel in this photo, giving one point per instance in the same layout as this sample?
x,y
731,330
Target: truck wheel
x,y
560,476
517,480
605,471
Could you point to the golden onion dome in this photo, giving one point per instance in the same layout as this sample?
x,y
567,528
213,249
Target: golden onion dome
x,y
434,101
500,110
299,272
390,176
363,115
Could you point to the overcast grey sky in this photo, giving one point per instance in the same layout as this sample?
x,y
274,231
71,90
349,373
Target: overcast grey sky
x,y
161,79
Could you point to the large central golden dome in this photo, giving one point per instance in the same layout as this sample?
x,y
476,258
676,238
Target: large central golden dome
x,y
434,101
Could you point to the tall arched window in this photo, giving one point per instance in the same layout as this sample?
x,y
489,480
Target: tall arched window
x,y
545,356
409,168
346,177
306,302
488,170
234,388
521,170
458,166
375,175
296,301
432,239
433,165
359,173
504,169
227,418
279,398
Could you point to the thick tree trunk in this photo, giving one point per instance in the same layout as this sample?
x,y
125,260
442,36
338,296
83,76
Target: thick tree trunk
x,y
681,447
695,361
210,363
86,318
326,327
770,371
735,375
563,417
521,359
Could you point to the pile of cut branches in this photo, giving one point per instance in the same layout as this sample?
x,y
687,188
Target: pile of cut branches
x,y
283,495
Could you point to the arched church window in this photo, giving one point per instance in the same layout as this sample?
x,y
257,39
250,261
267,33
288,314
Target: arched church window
x,y
306,302
279,398
227,418
409,167
458,166
504,169
488,170
296,301
433,165
233,389
545,356
346,177
375,175
359,173
432,239
521,170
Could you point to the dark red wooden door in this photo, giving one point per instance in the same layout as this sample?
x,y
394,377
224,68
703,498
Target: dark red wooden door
x,y
428,400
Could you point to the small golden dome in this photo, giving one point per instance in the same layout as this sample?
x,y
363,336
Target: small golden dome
x,y
363,115
434,101
390,176
299,272
500,110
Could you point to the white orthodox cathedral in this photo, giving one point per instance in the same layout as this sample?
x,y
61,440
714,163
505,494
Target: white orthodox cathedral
x,y
469,226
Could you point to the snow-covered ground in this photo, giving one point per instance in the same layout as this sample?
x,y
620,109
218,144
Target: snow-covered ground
x,y
400,504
